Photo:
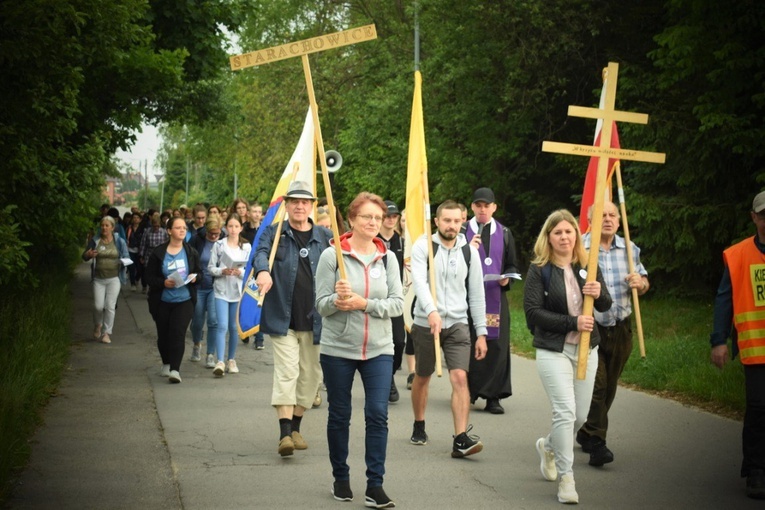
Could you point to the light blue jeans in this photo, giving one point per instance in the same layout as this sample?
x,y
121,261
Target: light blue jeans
x,y
226,313
205,305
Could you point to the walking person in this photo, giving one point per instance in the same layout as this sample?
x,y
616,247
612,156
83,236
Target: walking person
x,y
357,336
289,317
227,261
740,302
203,241
172,272
489,378
459,296
614,328
152,237
552,300
107,274
134,232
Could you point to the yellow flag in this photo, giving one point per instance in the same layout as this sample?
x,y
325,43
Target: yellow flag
x,y
417,211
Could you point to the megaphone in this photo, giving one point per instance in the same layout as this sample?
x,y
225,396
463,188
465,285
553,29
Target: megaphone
x,y
334,161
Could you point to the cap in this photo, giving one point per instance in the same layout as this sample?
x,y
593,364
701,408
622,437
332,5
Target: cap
x,y
759,202
299,189
392,207
483,195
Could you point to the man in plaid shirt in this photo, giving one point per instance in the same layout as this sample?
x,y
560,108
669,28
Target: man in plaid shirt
x,y
615,330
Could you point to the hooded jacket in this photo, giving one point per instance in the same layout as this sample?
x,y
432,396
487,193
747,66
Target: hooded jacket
x,y
359,334
452,298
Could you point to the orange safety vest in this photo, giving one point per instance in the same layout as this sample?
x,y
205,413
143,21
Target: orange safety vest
x,y
746,265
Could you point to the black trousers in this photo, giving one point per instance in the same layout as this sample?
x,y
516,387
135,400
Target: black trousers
x,y
172,320
399,341
753,435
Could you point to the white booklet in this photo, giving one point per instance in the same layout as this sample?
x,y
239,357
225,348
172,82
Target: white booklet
x,y
227,261
126,261
495,277
178,279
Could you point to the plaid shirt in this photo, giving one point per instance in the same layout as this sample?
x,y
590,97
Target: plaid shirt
x,y
613,264
151,239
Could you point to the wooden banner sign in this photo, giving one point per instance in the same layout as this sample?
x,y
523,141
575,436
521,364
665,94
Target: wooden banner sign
x,y
304,47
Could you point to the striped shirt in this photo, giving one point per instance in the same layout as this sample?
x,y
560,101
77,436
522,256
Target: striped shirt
x,y
613,264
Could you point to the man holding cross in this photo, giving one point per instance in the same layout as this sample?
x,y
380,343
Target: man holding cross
x,y
614,328
289,316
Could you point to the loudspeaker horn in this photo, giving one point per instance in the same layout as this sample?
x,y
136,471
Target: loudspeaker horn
x,y
334,161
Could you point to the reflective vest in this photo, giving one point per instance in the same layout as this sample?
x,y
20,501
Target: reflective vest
x,y
746,265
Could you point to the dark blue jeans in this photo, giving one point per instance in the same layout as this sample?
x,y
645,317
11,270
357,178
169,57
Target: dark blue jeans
x,y
338,377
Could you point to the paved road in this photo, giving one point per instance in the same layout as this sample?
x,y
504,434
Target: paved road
x,y
119,436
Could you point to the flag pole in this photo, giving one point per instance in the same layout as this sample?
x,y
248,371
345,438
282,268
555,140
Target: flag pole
x,y
324,170
630,260
281,213
431,269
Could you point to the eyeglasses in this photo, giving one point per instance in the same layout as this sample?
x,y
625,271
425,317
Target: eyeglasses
x,y
368,218
213,234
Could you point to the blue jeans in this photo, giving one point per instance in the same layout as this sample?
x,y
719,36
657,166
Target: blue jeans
x,y
226,313
205,304
338,377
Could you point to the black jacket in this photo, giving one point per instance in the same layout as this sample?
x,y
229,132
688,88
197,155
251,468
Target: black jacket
x,y
549,314
156,279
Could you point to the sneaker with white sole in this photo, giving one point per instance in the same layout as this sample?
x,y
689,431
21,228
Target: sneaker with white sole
x,y
465,445
546,461
419,437
195,354
175,376
341,490
106,338
133,288
219,369
231,367
210,361
567,490
375,497
165,372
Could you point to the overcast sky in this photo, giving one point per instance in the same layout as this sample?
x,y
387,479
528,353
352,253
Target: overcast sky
x,y
145,149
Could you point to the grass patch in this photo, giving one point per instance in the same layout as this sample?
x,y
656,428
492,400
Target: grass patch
x,y
677,365
34,347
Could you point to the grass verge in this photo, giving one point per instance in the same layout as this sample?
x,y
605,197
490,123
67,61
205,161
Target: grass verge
x,y
34,346
677,362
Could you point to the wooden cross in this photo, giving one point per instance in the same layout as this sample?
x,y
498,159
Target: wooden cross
x,y
603,152
303,49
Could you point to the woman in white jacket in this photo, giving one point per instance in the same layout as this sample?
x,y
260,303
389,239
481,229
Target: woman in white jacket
x,y
227,261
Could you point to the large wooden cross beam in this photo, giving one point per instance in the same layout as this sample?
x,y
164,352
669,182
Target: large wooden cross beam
x,y
603,152
303,49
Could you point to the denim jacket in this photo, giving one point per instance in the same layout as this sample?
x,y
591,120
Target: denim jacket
x,y
122,249
277,304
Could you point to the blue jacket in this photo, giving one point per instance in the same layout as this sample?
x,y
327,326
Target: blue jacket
x,y
122,249
277,304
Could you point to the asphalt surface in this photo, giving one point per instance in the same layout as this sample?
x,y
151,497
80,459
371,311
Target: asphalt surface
x,y
117,435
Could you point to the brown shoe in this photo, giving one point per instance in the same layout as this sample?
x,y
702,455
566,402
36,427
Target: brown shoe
x,y
286,446
300,443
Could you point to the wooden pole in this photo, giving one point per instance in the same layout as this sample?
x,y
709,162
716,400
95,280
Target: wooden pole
x,y
630,260
280,213
323,162
431,268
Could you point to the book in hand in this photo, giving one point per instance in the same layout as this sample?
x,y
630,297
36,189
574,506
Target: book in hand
x,y
230,263
126,261
495,277
178,279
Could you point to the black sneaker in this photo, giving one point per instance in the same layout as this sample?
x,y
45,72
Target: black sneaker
x,y
394,396
409,381
376,498
600,454
755,484
341,490
418,434
494,407
587,443
465,445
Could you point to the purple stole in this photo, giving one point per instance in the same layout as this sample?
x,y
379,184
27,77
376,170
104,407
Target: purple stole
x,y
492,289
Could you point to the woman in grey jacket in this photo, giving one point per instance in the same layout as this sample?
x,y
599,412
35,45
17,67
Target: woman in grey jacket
x,y
357,335
553,297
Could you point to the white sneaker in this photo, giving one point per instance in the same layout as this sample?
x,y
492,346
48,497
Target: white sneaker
x,y
133,288
546,461
567,490
106,338
165,372
219,369
232,368
175,376
195,354
210,362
